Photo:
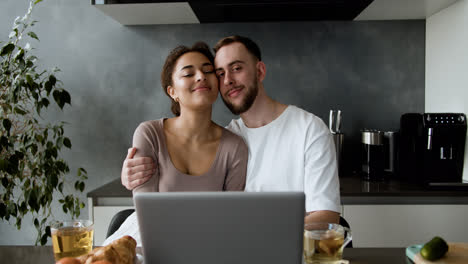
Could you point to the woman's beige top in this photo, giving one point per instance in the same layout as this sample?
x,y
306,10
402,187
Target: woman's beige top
x,y
227,172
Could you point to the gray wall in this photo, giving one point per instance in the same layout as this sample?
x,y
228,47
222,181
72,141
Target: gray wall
x,y
373,71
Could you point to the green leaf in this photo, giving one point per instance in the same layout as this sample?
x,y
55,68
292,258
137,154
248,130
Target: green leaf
x,y
54,152
5,181
7,49
44,239
18,223
23,208
54,181
19,155
29,79
64,208
33,149
39,138
38,108
36,223
29,63
35,95
67,142
48,87
61,165
58,98
13,160
33,35
19,111
65,96
32,200
43,201
37,1
82,171
82,186
6,108
45,102
19,55
27,183
77,185
7,124
60,188
4,142
12,210
52,80
3,210
12,164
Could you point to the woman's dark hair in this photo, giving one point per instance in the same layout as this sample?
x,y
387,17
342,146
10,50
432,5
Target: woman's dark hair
x,y
249,44
168,68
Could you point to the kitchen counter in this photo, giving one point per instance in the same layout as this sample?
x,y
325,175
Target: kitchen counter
x,y
367,206
353,191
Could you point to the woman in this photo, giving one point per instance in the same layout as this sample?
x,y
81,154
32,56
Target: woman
x,y
192,152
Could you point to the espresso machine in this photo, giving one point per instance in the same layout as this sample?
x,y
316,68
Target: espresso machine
x,y
432,147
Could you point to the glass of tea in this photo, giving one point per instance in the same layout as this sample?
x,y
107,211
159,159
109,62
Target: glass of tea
x,y
72,238
324,242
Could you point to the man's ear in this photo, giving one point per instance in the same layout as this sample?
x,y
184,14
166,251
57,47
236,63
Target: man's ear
x,y
261,71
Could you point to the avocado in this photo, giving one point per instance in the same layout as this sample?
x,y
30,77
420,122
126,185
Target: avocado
x,y
434,249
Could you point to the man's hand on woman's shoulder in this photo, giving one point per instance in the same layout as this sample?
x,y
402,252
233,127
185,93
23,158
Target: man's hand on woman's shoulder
x,y
136,171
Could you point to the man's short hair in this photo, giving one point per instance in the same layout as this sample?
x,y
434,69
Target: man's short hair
x,y
251,46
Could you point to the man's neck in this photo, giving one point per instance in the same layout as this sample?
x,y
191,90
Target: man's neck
x,y
263,111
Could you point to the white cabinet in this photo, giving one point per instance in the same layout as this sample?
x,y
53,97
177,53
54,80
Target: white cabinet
x,y
403,225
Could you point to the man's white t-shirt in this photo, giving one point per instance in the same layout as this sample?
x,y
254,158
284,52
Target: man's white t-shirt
x,y
294,152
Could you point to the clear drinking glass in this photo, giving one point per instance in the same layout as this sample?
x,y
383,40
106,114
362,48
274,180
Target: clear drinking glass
x,y
324,242
72,238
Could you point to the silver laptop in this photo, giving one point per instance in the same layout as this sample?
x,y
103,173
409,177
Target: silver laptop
x,y
221,227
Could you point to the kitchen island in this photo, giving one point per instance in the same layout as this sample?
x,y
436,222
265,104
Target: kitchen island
x,y
381,214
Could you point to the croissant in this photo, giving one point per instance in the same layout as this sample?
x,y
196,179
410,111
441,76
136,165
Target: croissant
x,y
120,251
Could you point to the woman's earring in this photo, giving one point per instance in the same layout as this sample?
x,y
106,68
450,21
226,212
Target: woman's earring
x,y
176,99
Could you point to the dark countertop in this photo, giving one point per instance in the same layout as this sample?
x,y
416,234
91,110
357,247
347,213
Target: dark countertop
x,y
110,189
44,254
354,191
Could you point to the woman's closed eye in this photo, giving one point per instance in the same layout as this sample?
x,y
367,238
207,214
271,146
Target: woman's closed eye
x,y
191,74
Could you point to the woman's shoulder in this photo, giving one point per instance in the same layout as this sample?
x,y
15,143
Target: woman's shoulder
x,y
151,124
150,127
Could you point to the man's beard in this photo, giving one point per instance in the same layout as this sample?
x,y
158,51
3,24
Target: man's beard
x,y
245,105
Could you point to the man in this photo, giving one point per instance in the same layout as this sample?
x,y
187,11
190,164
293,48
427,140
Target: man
x,y
289,148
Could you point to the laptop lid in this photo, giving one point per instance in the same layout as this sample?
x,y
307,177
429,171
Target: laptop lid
x,y
221,227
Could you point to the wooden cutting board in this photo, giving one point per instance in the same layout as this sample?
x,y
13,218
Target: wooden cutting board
x,y
457,254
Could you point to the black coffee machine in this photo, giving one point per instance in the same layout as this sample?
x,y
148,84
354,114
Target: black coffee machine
x,y
432,147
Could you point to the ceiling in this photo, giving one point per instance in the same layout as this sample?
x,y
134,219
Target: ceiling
x,y
403,9
276,10
144,12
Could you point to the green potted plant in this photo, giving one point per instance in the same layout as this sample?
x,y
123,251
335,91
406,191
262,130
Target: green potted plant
x,y
31,169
